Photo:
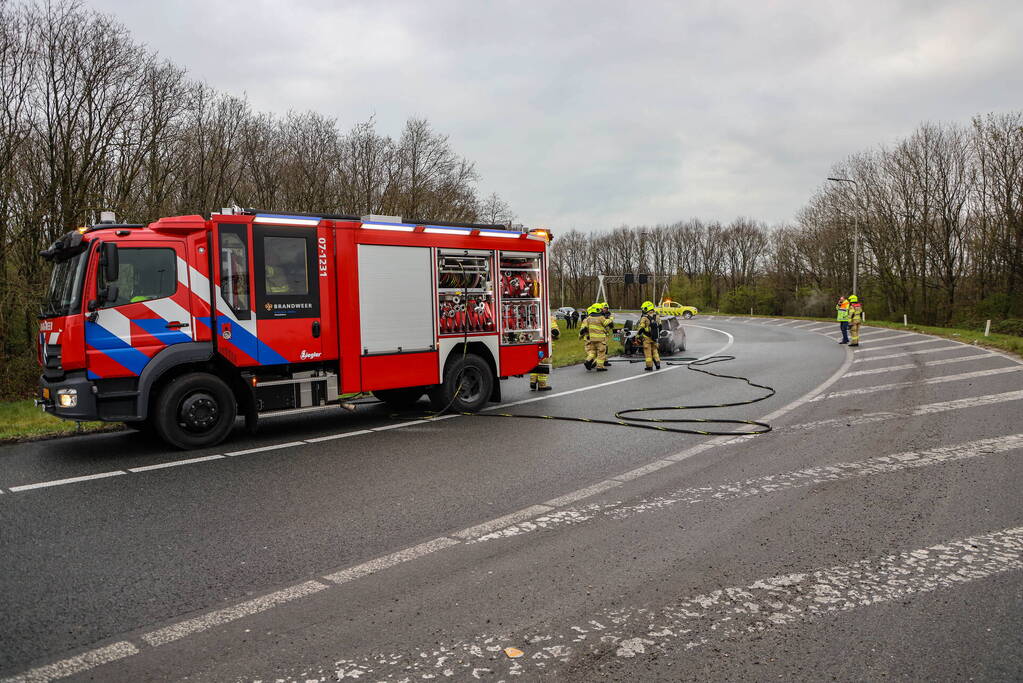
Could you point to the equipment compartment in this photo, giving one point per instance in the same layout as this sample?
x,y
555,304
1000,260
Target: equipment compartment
x,y
522,319
465,294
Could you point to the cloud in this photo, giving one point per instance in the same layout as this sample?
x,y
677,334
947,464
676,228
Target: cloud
x,y
593,114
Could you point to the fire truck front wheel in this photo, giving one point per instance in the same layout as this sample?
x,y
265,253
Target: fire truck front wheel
x,y
468,384
196,410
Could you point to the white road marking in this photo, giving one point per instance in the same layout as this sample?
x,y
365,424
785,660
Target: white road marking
x,y
380,563
595,489
644,470
926,409
219,617
399,425
922,382
263,449
342,435
732,613
863,359
910,366
175,463
497,523
75,665
69,480
804,325
900,345
812,476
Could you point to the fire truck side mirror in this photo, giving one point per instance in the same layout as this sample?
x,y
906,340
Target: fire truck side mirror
x,y
109,261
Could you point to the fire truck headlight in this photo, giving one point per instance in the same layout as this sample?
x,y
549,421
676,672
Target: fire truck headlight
x,y
67,398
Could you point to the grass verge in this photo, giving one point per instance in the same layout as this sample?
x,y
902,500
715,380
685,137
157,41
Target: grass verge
x,y
569,349
22,420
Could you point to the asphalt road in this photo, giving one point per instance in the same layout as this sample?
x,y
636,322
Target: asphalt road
x,y
876,533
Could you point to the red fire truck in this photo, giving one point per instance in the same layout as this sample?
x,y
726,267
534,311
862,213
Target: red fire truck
x,y
184,324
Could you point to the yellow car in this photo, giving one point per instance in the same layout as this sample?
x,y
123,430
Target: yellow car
x,y
669,308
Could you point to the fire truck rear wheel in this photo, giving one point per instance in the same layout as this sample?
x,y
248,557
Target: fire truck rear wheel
x,y
196,410
473,380
400,399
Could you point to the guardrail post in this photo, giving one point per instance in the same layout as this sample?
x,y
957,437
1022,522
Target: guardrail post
x,y
987,328
905,321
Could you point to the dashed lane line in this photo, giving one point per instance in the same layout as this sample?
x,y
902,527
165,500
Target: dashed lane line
x,y
734,613
264,449
69,480
175,463
910,366
917,383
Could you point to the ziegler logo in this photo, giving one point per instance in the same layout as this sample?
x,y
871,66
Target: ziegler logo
x,y
309,355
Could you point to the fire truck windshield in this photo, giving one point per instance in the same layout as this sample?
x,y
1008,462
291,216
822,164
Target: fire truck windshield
x,y
65,293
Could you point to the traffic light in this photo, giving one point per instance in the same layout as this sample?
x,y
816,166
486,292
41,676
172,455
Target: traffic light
x,y
630,278
643,277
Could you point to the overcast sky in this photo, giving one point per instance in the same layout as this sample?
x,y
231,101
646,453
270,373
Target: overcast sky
x,y
593,114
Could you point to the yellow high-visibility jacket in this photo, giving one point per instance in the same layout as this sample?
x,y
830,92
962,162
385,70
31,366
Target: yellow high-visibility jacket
x,y
594,328
646,325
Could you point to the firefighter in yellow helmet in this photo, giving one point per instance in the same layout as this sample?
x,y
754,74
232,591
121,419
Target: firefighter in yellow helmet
x,y
855,319
609,318
539,379
648,330
594,331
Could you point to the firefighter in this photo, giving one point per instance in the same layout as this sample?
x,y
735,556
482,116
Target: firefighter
x,y
609,317
843,318
594,331
648,329
855,319
539,379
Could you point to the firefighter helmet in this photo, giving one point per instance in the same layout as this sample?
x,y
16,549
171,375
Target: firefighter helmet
x,y
594,308
853,298
647,306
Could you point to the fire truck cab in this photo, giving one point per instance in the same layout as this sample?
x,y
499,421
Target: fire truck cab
x,y
184,324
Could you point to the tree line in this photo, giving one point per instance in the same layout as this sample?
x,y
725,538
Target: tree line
x,y
91,120
940,221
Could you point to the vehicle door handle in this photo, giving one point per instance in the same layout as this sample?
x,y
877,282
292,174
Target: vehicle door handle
x,y
316,330
175,325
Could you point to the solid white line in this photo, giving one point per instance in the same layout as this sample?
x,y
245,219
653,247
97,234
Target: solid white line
x,y
69,480
809,477
590,387
263,449
342,435
910,366
599,487
933,380
644,470
925,409
497,523
219,617
731,340
908,353
728,614
406,555
175,463
77,664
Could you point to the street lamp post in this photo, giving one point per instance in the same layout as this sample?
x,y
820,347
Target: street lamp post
x,y
856,238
